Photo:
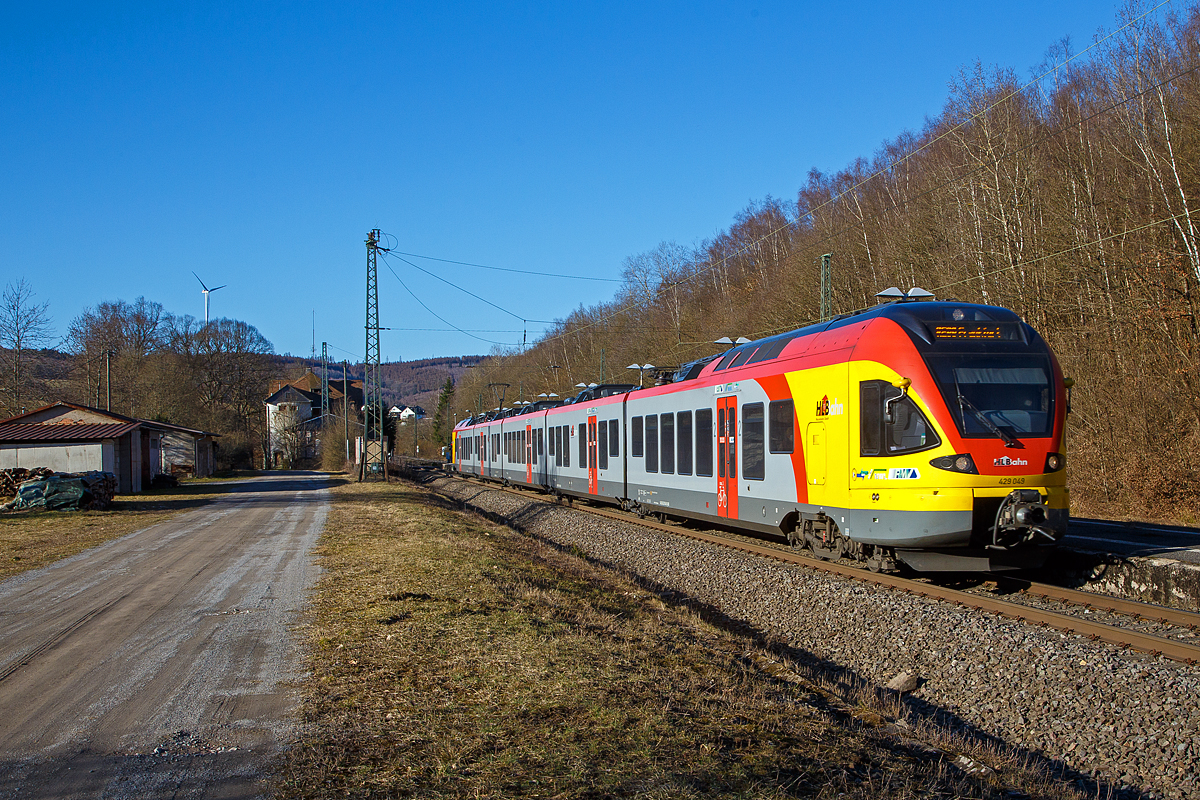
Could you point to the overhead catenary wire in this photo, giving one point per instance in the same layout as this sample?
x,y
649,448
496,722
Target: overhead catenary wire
x,y
1007,268
439,316
466,291
509,269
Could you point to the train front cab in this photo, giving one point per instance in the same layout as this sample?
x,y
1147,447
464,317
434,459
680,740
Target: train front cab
x,y
953,446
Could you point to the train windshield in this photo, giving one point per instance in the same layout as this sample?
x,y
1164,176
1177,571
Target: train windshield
x,y
1002,396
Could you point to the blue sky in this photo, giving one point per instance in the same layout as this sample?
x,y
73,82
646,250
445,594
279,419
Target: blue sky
x,y
256,144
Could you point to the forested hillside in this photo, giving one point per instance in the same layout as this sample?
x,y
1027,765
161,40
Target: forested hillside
x,y
404,382
1069,197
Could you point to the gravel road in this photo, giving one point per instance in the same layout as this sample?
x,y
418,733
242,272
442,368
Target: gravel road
x,y
158,664
1116,721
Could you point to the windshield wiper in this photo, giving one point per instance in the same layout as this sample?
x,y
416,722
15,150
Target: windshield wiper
x,y
1009,441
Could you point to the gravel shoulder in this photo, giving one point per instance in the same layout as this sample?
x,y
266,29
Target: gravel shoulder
x,y
158,664
1105,720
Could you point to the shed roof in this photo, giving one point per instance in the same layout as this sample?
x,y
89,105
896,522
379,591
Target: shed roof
x,y
94,413
83,432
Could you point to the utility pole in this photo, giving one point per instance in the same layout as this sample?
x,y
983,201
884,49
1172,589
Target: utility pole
x,y
108,379
826,288
346,408
373,451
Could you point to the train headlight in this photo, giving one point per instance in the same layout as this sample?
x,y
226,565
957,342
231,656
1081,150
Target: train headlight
x,y
1055,462
956,463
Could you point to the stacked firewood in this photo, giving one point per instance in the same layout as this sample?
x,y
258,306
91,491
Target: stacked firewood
x,y
102,486
10,479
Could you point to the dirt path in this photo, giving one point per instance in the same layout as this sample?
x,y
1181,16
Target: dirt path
x,y
157,665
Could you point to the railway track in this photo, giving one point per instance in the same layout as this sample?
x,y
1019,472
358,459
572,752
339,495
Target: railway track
x,y
1182,623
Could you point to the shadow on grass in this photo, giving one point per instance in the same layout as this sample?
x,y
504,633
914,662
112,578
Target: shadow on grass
x,y
850,682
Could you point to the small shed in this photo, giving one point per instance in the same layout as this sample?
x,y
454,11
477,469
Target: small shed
x,y
67,437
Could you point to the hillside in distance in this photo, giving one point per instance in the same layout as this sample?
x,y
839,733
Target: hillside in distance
x,y
405,383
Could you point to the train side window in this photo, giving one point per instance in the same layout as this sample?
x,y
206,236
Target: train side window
x,y
614,438
666,428
550,444
704,442
636,447
782,416
753,460
566,445
583,454
541,442
684,461
908,432
602,444
651,443
721,442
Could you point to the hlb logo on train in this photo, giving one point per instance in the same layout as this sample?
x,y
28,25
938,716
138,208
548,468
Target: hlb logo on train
x,y
1005,461
893,474
828,409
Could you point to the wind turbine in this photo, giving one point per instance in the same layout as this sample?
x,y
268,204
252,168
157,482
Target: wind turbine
x,y
206,291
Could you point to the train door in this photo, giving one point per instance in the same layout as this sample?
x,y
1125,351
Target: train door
x,y
727,478
814,453
592,465
530,453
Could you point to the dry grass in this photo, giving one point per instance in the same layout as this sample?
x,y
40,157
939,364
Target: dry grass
x,y
33,539
455,658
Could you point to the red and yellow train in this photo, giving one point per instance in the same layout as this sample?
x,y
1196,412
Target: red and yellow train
x,y
924,432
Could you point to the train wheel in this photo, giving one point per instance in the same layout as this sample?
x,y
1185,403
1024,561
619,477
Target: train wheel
x,y
825,542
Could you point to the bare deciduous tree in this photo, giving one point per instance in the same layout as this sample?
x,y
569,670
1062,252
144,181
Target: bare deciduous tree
x,y
24,327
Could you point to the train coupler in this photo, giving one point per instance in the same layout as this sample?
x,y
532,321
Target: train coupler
x,y
1022,520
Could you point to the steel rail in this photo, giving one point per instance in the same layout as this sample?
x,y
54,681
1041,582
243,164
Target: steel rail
x,y
1096,631
1117,605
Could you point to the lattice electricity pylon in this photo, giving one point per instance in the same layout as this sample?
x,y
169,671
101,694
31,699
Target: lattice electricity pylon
x,y
373,452
324,381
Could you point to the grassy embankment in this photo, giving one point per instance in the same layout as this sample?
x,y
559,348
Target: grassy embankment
x,y
452,657
33,539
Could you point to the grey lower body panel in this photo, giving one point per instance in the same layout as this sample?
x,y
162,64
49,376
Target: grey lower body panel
x,y
904,528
